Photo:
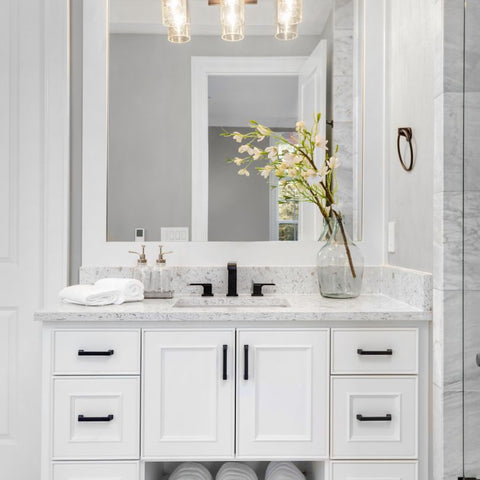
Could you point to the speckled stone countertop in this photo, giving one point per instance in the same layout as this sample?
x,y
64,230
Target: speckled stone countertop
x,y
294,308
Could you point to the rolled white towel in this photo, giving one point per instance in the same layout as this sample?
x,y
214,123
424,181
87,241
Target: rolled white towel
x,y
91,295
131,288
283,471
191,471
236,471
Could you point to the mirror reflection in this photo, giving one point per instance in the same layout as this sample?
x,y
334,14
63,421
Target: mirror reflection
x,y
167,161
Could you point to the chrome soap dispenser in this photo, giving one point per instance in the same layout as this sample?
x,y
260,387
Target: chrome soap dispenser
x,y
161,281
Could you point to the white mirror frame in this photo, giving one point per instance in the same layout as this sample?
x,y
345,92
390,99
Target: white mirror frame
x,y
96,251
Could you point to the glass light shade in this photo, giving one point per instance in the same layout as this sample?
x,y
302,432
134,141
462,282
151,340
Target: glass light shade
x,y
179,34
287,31
289,12
175,13
232,18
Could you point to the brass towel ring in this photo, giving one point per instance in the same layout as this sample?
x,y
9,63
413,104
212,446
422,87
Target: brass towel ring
x,y
407,133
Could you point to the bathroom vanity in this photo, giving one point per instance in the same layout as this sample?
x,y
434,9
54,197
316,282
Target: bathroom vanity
x,y
340,387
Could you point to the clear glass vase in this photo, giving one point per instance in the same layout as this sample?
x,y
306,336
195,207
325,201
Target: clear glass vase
x,y
339,263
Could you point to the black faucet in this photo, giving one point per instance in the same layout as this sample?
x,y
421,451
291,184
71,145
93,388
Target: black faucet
x,y
232,279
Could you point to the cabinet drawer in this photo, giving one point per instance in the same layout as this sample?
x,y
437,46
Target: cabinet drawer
x,y
91,352
373,471
374,417
96,418
96,471
374,351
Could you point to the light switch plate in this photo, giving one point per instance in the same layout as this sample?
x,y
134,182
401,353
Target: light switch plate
x,y
174,234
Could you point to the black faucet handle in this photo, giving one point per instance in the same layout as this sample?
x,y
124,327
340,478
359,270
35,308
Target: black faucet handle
x,y
207,288
257,288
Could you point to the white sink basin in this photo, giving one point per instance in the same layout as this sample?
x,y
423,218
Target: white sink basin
x,y
228,302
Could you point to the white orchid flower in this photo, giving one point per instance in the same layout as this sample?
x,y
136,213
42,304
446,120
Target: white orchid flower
x,y
300,126
292,172
321,142
261,139
263,130
309,173
265,173
244,171
257,153
333,163
272,152
238,137
238,161
243,149
289,159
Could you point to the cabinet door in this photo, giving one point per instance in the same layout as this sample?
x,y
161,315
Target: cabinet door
x,y
282,389
188,394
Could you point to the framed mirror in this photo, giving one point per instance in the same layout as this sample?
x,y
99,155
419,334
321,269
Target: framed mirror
x,y
154,111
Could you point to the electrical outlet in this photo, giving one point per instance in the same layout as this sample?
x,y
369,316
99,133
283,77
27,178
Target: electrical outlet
x,y
391,237
139,234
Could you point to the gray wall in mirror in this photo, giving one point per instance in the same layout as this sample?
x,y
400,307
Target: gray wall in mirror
x,y
150,87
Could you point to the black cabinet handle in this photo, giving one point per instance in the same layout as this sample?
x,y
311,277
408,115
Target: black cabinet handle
x,y
108,418
478,359
245,362
386,418
225,350
389,351
207,288
86,353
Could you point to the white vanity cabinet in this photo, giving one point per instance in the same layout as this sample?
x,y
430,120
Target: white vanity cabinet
x,y
127,403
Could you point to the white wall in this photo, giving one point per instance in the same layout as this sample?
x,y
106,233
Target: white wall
x,y
410,83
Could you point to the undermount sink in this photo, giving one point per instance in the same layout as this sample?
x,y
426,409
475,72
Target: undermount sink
x,y
226,302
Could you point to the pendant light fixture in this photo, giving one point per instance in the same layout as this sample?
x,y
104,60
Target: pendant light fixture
x,y
232,18
176,17
289,14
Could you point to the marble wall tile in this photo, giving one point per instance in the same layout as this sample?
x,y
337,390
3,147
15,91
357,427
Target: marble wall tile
x,y
472,240
472,140
343,14
447,241
343,51
471,434
343,98
453,45
448,171
452,434
472,41
472,343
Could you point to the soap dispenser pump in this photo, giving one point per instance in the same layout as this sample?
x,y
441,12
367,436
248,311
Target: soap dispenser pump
x,y
161,278
142,271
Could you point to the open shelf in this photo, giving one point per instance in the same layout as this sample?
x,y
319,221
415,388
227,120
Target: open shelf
x,y
162,470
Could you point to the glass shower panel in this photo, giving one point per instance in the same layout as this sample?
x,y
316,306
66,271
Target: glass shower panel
x,y
471,241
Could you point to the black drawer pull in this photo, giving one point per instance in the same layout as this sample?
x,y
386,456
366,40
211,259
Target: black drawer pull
x,y
108,418
389,351
386,418
245,360
225,350
86,353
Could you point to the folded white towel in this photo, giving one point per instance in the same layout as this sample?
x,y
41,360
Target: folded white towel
x,y
131,288
91,295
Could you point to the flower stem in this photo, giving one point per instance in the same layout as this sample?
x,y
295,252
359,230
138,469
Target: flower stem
x,y
345,243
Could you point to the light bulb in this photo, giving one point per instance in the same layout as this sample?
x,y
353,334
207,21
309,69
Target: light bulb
x,y
175,13
232,18
289,12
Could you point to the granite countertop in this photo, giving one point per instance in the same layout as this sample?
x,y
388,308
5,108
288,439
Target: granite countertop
x,y
375,307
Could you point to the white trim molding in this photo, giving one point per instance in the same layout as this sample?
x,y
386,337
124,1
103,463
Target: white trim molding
x,y
56,147
202,68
